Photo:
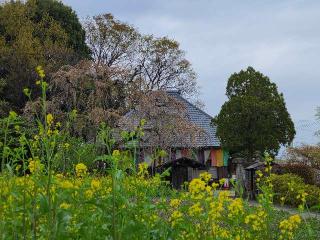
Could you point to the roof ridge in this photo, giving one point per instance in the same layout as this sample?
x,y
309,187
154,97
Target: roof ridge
x,y
202,111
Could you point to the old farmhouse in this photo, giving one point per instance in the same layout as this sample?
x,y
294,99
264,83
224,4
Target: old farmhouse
x,y
189,138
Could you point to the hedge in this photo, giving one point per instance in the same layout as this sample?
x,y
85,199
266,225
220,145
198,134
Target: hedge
x,y
288,187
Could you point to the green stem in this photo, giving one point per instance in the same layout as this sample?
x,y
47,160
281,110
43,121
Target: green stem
x,y
34,220
4,143
47,156
24,199
114,234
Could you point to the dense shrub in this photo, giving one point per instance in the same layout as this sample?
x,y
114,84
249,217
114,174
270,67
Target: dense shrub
x,y
289,189
307,173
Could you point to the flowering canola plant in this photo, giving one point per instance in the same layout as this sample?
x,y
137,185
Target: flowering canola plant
x,y
82,204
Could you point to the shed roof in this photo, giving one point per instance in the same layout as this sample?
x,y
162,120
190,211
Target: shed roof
x,y
259,165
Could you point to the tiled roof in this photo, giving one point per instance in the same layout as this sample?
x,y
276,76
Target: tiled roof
x,y
200,119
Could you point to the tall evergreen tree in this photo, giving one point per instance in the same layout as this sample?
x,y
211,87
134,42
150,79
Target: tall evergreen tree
x,y
255,117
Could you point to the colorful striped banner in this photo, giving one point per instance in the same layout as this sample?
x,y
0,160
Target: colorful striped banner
x,y
219,157
226,156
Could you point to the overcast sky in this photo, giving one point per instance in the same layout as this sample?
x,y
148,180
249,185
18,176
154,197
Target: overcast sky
x,y
279,38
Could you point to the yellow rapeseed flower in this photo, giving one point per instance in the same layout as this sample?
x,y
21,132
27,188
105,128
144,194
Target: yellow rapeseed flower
x,y
89,194
65,205
27,92
195,209
216,209
59,175
81,170
257,220
222,181
143,169
95,184
259,173
205,176
220,232
18,167
215,185
175,203
197,188
235,208
288,226
66,184
13,114
49,119
176,216
116,153
40,71
35,165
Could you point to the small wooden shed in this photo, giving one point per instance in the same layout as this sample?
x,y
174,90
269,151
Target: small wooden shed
x,y
251,185
182,170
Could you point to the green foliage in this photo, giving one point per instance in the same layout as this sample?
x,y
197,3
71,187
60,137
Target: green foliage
x,y
71,151
288,187
255,117
26,42
68,20
4,105
9,137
